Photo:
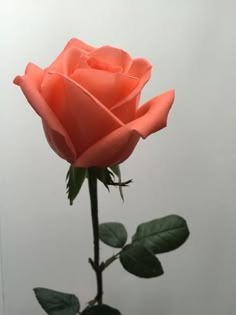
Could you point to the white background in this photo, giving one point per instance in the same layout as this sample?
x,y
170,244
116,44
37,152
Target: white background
x,y
188,168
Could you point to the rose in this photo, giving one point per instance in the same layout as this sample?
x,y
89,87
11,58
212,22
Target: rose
x,y
88,101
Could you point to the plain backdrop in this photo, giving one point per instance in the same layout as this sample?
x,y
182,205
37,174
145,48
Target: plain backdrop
x,y
187,168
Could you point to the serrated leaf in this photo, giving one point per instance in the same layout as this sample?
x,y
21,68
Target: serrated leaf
x,y
75,178
113,234
101,310
162,235
138,260
116,170
57,303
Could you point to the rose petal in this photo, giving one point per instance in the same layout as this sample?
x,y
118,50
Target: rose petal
x,y
74,45
152,116
140,69
74,42
68,61
116,58
118,145
126,112
108,88
73,56
29,84
84,117
58,144
110,150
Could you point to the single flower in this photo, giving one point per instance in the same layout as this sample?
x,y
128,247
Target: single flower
x,y
88,99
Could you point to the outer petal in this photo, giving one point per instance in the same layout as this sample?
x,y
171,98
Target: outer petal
x,y
85,118
139,68
29,84
67,63
106,55
109,88
58,144
127,111
118,146
152,116
112,149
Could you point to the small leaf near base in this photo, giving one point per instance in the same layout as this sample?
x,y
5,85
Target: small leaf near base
x,y
57,303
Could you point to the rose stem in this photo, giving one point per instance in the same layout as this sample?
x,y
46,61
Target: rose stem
x,y
92,181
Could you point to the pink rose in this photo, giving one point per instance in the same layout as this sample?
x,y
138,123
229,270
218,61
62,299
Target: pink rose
x,y
88,100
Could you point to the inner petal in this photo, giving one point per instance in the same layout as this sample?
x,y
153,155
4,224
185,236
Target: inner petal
x,y
101,65
109,88
118,58
68,61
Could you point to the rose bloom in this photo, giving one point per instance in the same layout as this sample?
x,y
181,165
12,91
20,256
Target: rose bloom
x,y
88,100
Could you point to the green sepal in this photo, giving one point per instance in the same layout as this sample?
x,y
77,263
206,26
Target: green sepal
x,y
75,178
57,303
100,310
116,170
162,235
113,234
139,261
107,176
104,175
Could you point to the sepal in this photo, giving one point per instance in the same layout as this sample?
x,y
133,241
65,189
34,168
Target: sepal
x,y
107,177
75,178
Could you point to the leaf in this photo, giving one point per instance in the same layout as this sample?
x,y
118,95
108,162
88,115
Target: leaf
x,y
113,234
75,178
57,303
116,170
162,235
101,310
138,260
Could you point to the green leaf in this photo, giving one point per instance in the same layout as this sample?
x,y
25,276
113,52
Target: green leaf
x,y
116,170
162,235
75,178
101,310
113,234
57,303
138,260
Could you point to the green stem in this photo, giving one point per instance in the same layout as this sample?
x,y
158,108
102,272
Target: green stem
x,y
110,260
92,180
